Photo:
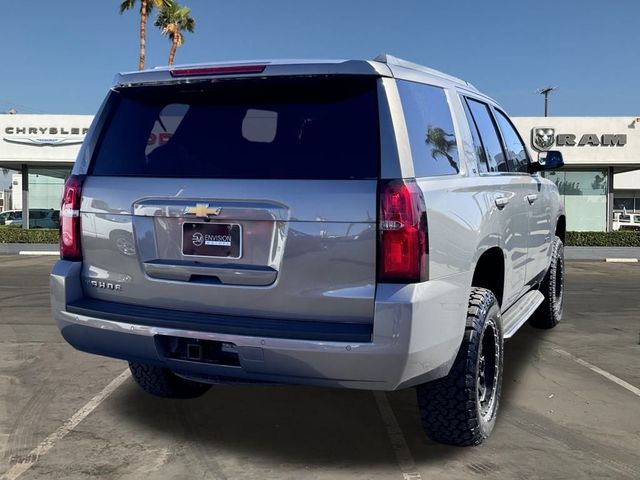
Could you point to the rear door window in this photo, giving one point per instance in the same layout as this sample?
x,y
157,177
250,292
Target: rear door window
x,y
430,128
516,151
489,134
481,154
273,128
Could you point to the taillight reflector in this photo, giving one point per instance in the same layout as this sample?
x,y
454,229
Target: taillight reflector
x,y
403,233
70,219
225,70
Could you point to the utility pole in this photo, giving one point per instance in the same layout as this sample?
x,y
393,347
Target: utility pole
x,y
546,91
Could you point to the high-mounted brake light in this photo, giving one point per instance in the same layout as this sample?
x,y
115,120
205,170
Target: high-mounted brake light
x,y
225,70
70,219
402,228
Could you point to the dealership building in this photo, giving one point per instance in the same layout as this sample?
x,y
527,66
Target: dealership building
x,y
601,174
42,150
602,162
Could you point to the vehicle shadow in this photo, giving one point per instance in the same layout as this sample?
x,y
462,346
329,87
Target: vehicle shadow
x,y
298,425
316,427
519,352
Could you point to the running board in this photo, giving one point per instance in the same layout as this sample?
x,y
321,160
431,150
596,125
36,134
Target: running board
x,y
520,312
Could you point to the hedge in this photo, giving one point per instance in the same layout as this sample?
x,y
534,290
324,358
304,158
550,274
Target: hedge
x,y
621,238
10,234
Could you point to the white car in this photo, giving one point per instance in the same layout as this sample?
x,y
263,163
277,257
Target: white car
x,y
626,220
38,218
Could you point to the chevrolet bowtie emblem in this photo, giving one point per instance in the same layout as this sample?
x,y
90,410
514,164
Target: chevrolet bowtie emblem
x,y
202,210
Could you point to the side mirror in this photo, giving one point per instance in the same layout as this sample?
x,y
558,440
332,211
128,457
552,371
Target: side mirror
x,y
552,160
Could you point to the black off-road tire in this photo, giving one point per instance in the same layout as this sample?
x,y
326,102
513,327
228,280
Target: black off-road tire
x,y
162,382
452,408
549,313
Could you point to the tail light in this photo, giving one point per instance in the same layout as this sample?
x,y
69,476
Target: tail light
x,y
402,227
70,219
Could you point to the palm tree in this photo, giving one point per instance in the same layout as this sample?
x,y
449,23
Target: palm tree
x,y
442,143
145,9
172,20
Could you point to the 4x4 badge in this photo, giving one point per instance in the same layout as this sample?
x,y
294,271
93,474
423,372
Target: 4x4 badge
x,y
202,210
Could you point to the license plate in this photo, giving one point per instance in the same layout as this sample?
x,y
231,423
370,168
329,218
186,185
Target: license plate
x,y
212,240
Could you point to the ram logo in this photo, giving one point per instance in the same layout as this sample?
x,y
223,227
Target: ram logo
x,y
543,138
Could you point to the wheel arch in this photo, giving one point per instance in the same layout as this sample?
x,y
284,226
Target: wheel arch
x,y
561,227
489,272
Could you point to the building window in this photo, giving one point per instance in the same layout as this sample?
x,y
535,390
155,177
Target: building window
x,y
584,193
623,204
45,188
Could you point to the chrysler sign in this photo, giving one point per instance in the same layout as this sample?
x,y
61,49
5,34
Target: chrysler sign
x,y
543,138
45,135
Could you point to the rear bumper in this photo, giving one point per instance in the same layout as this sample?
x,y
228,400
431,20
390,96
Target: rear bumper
x,y
417,330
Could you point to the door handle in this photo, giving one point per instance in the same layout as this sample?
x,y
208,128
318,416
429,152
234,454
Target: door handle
x,y
501,201
532,198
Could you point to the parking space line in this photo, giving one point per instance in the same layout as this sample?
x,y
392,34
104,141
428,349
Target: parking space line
x,y
398,442
633,389
48,443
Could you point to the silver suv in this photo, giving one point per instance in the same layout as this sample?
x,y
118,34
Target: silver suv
x,y
360,224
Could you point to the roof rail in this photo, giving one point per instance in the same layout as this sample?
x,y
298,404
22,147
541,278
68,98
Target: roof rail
x,y
399,62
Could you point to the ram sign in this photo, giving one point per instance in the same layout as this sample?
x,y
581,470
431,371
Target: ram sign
x,y
587,141
544,138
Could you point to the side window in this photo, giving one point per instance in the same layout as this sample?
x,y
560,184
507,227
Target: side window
x,y
430,127
516,151
481,154
489,135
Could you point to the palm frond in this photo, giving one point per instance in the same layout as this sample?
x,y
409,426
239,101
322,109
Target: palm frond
x,y
175,18
127,5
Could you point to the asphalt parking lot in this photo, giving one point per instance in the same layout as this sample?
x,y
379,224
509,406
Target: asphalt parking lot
x,y
563,416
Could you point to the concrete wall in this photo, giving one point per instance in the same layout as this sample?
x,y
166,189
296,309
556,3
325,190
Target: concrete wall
x,y
627,181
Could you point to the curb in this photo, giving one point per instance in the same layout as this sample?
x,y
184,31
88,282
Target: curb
x,y
17,248
601,254
37,252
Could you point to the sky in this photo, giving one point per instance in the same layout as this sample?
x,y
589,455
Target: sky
x,y
60,57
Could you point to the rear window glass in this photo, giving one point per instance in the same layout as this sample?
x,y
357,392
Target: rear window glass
x,y
430,128
289,128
